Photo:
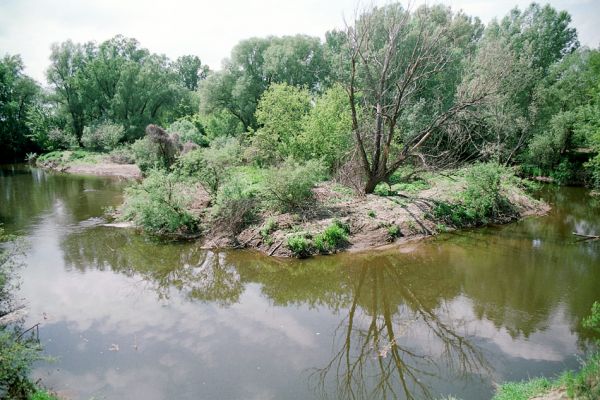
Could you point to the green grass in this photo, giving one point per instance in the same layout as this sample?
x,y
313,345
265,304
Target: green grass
x,y
42,395
71,157
332,238
523,390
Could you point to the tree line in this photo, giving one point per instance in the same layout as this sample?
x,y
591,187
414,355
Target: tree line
x,y
428,87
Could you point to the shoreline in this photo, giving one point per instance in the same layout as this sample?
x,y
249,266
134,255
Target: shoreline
x,y
373,222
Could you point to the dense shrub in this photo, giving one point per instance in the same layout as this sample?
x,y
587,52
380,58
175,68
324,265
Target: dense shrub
x,y
235,204
16,359
103,137
187,131
482,200
332,238
299,245
160,203
280,113
211,166
156,150
122,155
290,185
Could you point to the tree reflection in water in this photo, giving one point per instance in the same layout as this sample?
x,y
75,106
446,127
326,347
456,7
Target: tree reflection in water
x,y
375,360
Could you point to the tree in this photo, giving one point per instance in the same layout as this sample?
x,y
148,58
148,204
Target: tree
x,y
67,59
18,94
280,113
190,71
394,63
255,64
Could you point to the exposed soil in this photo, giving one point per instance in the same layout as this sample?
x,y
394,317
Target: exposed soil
x,y
369,217
104,168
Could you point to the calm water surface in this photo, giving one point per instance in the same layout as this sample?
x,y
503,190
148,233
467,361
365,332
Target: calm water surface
x,y
128,318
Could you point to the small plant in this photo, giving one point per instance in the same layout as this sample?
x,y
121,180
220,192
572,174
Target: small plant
x,y
441,228
394,232
383,189
371,214
268,227
333,237
299,246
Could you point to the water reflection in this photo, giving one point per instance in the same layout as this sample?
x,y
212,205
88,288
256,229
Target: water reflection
x,y
448,316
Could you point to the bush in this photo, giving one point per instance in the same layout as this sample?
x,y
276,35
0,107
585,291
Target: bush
x,y
235,204
122,155
269,226
481,202
156,150
103,137
160,203
60,139
332,238
299,245
280,113
187,131
327,129
16,358
290,186
211,166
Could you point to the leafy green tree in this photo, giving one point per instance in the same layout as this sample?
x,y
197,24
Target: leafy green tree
x,y
18,95
255,64
327,129
280,113
190,71
66,61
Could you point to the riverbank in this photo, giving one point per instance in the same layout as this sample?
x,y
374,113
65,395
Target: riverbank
x,y
336,218
402,213
87,163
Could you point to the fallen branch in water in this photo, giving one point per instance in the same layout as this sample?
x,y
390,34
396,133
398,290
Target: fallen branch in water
x,y
587,237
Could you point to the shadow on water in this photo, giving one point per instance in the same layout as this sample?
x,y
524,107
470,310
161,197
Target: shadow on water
x,y
448,316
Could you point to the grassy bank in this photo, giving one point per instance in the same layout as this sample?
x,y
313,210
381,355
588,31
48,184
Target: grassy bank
x,y
584,384
90,163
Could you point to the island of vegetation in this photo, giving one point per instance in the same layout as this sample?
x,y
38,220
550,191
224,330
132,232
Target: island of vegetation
x,y
406,123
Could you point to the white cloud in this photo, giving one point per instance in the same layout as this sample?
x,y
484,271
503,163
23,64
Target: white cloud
x,y
208,29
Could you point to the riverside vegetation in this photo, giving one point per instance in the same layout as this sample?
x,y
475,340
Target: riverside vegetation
x,y
405,123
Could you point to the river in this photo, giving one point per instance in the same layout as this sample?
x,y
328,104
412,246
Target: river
x,y
126,317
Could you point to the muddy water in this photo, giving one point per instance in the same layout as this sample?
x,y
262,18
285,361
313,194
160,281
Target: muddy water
x,y
129,318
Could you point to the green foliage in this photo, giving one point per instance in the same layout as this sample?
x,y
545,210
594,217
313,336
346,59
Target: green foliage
x,y
299,245
371,214
211,166
187,131
290,185
18,95
332,238
103,137
523,390
383,189
593,321
481,202
160,203
327,129
269,226
157,150
235,204
280,113
394,232
122,155
16,359
42,395
256,63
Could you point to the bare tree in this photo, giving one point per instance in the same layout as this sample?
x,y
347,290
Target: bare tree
x,y
395,59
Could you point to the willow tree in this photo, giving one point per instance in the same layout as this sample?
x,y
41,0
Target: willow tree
x,y
405,75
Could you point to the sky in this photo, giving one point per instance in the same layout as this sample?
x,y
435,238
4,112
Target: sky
x,y
210,28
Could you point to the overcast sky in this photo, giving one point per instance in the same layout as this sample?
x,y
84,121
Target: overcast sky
x,y
210,28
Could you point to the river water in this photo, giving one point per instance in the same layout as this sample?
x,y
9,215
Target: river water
x,y
126,317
